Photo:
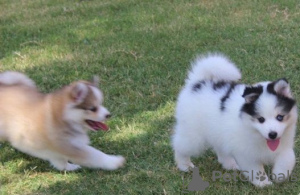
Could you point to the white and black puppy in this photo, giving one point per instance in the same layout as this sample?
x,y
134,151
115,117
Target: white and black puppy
x,y
248,126
54,126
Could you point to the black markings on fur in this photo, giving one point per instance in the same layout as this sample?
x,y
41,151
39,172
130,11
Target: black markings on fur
x,y
219,85
196,87
270,87
252,93
227,95
286,103
253,90
250,109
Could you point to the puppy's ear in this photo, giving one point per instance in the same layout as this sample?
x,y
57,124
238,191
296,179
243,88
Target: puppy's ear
x,y
95,81
78,92
280,87
251,93
250,98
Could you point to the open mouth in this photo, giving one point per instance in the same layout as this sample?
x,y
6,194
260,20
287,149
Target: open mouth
x,y
96,125
273,144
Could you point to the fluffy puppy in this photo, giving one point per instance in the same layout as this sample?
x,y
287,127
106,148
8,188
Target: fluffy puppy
x,y
248,126
54,126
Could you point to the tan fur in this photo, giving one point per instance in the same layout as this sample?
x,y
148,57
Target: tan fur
x,y
51,126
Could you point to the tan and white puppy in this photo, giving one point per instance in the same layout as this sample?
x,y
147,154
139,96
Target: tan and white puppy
x,y
54,126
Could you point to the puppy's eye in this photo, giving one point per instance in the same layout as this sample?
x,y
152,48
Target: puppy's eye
x,y
261,119
279,117
93,109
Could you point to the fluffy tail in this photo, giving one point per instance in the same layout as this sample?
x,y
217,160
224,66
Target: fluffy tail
x,y
14,78
214,67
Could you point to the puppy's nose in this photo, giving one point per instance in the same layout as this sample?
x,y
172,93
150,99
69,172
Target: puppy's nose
x,y
272,135
108,116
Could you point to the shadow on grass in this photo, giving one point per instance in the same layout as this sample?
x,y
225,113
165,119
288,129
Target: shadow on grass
x,y
148,169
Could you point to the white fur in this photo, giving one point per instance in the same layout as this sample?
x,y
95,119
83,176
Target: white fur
x,y
103,112
213,67
11,78
238,140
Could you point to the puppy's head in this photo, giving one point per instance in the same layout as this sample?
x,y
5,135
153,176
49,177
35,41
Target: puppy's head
x,y
85,106
271,109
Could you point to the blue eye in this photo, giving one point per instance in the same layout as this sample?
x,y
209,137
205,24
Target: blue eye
x,y
279,117
261,119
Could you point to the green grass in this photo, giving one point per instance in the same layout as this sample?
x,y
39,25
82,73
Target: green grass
x,y
141,50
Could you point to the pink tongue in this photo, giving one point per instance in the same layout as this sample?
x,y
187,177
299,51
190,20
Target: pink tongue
x,y
102,126
96,125
273,144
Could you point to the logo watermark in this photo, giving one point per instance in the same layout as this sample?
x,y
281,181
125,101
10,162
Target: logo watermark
x,y
196,183
253,175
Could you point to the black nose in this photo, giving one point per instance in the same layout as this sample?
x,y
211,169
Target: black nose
x,y
108,116
272,135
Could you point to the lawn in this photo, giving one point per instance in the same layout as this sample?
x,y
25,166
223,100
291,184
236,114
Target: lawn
x,y
141,50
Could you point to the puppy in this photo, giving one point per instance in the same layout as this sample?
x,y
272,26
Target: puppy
x,y
54,126
248,126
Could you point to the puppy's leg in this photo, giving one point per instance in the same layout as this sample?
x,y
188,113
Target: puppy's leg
x,y
90,157
284,164
227,162
62,164
183,161
57,160
254,172
184,149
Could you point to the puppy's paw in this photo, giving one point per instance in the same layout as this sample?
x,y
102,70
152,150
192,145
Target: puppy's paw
x,y
63,165
262,182
185,166
114,162
72,167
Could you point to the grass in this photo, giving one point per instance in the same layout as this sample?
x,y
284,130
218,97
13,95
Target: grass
x,y
141,50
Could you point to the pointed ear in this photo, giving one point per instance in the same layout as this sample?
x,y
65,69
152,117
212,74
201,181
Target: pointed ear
x,y
78,92
95,80
252,97
282,87
251,94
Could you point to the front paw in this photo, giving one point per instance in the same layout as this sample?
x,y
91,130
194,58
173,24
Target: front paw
x,y
185,167
261,180
72,167
262,184
114,162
